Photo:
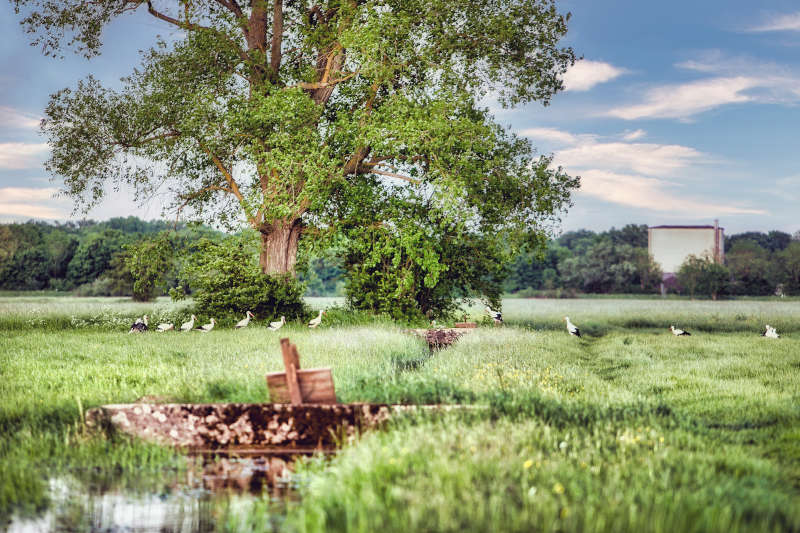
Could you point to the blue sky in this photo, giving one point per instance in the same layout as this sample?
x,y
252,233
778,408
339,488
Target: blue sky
x,y
681,112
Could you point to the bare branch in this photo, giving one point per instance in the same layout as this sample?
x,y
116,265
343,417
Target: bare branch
x,y
395,175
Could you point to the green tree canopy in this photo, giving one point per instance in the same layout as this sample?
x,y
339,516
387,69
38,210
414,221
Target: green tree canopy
x,y
281,114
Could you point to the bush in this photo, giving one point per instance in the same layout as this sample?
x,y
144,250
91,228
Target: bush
x,y
226,280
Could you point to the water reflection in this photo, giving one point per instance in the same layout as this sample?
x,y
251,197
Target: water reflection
x,y
200,499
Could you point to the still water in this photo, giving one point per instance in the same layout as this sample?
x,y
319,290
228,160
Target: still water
x,y
204,498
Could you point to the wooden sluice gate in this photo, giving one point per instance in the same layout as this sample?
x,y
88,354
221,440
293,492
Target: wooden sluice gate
x,y
261,428
303,419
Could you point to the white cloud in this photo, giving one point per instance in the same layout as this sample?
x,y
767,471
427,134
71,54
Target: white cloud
x,y
635,174
26,202
550,134
21,155
634,135
733,80
651,193
642,158
786,22
585,74
14,119
684,100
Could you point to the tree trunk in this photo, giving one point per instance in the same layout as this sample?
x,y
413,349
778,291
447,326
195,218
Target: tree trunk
x,y
279,247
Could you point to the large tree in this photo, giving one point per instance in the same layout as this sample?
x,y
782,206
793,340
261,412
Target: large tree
x,y
273,112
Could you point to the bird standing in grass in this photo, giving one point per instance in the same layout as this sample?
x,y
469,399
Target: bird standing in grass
x,y
679,332
165,327
275,326
496,316
187,326
139,325
770,332
245,321
572,328
314,322
207,327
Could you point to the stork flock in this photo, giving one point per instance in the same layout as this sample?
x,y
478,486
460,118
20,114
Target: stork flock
x,y
141,324
573,330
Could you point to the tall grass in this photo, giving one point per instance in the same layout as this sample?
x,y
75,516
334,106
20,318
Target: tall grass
x,y
627,429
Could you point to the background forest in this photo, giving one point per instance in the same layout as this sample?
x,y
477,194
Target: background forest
x,y
95,259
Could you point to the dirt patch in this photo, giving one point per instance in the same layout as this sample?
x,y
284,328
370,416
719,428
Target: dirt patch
x,y
439,339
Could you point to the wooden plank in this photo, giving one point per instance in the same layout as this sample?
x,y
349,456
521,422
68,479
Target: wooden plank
x,y
316,386
290,354
291,361
466,325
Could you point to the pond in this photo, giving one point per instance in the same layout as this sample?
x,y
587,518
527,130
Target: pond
x,y
202,498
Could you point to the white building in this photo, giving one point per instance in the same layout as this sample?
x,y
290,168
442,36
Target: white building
x,y
671,245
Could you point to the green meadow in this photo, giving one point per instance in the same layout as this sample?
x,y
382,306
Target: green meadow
x,y
626,429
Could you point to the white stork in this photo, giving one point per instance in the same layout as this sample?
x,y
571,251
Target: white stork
x,y
188,326
572,328
679,332
166,326
314,322
139,325
770,332
275,326
207,327
496,316
245,321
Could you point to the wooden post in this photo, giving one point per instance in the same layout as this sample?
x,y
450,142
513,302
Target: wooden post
x,y
291,361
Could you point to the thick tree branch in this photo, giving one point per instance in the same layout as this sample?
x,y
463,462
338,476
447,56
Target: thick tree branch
x,y
277,38
395,175
234,187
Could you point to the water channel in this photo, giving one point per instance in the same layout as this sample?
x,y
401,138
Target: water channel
x,y
202,498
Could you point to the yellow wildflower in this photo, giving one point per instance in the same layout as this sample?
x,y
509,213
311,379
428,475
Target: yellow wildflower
x,y
558,488
527,464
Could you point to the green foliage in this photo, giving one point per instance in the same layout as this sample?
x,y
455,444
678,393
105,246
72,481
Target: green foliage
x,y
609,267
323,276
774,241
148,262
225,279
350,96
789,267
702,274
407,259
93,255
751,270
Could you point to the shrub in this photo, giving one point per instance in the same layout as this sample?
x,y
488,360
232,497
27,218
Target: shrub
x,y
226,279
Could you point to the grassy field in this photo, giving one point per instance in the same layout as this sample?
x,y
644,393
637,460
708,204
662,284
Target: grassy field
x,y
627,429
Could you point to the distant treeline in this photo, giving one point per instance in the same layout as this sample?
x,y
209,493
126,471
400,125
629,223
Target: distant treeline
x,y
617,261
88,257
82,256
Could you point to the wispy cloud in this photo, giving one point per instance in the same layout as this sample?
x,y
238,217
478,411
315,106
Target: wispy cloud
x,y
641,175
584,151
27,202
585,74
21,155
733,80
652,193
634,135
11,118
553,135
779,22
688,99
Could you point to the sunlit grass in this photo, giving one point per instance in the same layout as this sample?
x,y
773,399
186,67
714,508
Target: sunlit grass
x,y
660,433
